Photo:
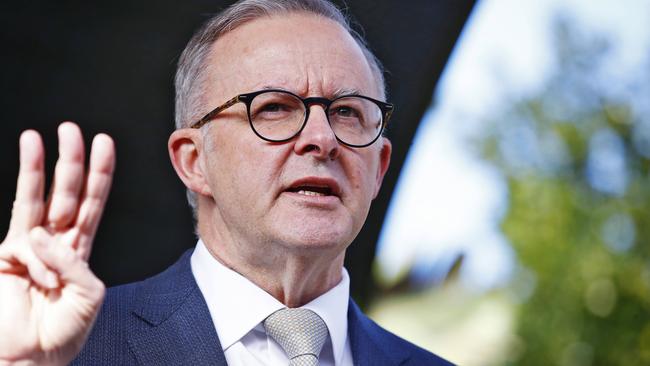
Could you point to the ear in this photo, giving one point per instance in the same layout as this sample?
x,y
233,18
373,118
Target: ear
x,y
185,148
384,162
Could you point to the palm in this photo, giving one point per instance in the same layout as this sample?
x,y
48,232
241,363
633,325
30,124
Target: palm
x,y
36,312
48,296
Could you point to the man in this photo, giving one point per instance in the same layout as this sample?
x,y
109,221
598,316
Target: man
x,y
279,119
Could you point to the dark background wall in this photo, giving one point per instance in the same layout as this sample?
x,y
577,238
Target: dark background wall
x,y
109,66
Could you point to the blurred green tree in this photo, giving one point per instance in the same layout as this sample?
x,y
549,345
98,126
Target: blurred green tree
x,y
576,155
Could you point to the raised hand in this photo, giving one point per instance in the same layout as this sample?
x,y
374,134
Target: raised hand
x,y
49,298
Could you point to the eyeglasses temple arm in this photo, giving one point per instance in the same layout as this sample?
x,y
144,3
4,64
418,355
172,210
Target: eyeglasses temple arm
x,y
208,117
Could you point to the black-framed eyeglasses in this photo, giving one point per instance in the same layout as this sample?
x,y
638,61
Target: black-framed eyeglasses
x,y
277,115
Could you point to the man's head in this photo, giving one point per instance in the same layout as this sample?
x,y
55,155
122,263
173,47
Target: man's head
x,y
191,72
190,75
305,193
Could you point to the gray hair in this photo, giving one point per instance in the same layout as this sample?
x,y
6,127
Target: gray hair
x,y
190,74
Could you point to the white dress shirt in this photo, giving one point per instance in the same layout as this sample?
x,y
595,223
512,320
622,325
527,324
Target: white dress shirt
x,y
238,307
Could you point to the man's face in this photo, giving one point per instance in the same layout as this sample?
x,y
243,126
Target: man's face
x,y
310,192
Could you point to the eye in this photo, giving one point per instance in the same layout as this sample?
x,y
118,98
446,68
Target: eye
x,y
274,111
273,107
343,111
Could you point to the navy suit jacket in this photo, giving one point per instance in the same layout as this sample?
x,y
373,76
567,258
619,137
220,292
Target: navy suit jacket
x,y
164,320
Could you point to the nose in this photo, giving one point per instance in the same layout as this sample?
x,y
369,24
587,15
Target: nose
x,y
317,137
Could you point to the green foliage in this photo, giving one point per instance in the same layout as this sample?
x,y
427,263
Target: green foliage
x,y
584,243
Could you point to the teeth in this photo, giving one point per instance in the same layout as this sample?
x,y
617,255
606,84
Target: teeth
x,y
310,193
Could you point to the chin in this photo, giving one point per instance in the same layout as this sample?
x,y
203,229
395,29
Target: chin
x,y
322,240
314,229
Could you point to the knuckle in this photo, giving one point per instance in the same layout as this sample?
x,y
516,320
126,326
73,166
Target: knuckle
x,y
36,235
98,289
100,286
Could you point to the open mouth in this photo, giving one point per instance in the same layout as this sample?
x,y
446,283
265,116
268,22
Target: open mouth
x,y
311,190
315,187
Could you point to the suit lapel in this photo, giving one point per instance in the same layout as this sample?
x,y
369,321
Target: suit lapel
x,y
174,325
369,343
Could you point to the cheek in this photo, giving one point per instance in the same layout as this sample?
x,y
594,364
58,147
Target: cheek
x,y
224,164
363,178
256,169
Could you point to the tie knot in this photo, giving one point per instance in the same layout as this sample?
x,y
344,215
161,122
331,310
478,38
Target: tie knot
x,y
300,332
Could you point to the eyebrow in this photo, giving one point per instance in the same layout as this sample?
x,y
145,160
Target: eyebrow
x,y
345,91
337,93
267,87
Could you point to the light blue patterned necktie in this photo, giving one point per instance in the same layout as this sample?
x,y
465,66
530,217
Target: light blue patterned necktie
x,y
300,332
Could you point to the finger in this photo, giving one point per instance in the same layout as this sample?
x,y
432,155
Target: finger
x,y
23,256
6,258
28,207
98,184
71,269
68,177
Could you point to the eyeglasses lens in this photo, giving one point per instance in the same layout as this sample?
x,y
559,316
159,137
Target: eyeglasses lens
x,y
279,116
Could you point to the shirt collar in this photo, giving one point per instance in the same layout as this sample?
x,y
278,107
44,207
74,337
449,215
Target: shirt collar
x,y
237,305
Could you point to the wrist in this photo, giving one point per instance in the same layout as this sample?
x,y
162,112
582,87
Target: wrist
x,y
17,363
30,363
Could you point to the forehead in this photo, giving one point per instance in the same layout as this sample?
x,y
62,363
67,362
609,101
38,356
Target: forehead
x,y
304,53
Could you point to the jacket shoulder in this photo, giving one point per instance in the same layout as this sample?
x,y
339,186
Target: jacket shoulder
x,y
401,351
121,313
107,343
418,355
